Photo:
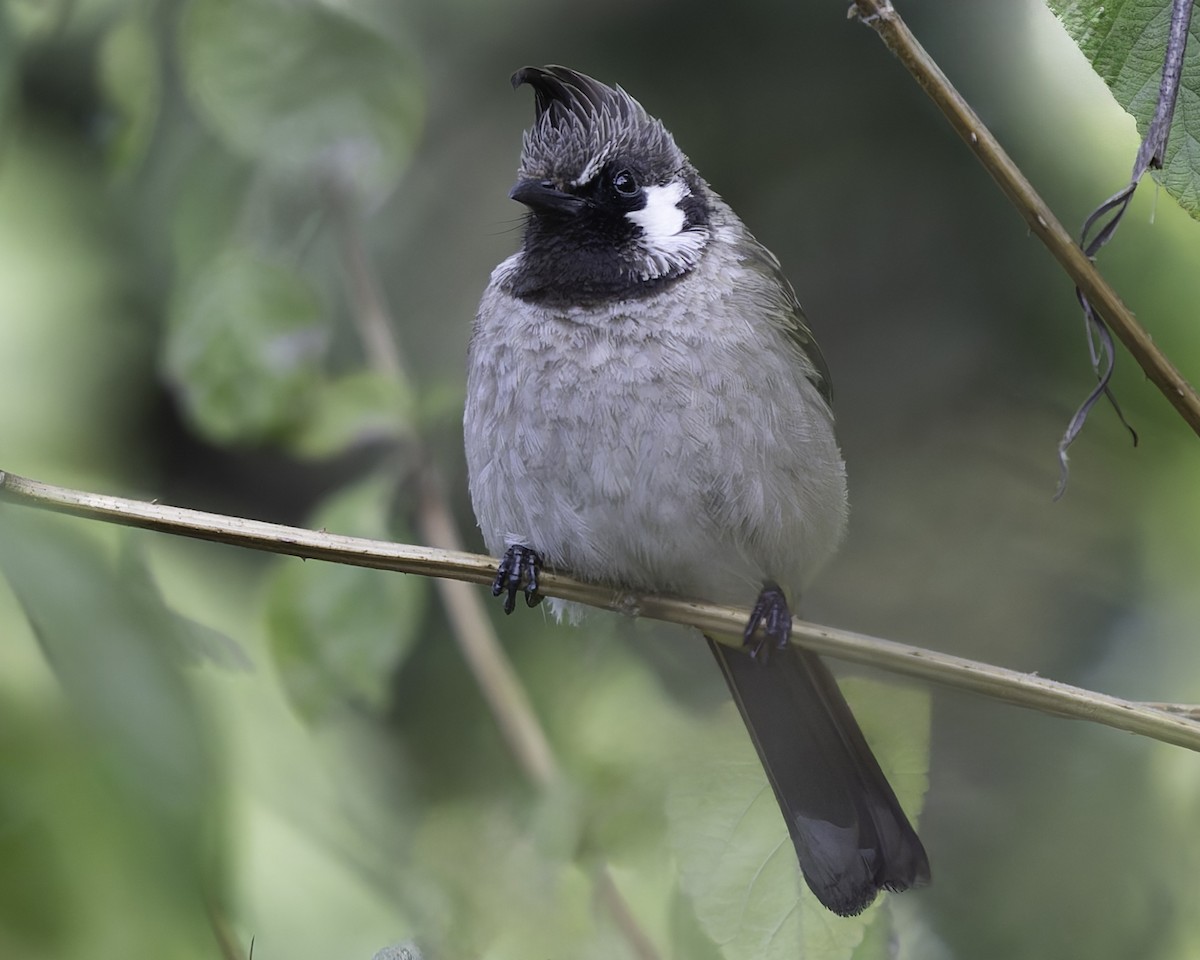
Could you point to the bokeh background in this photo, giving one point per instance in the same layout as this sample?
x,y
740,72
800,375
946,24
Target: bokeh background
x,y
200,745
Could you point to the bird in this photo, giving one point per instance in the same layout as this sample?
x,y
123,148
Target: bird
x,y
647,409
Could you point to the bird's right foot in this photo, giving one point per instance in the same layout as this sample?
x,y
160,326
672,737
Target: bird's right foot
x,y
772,613
519,569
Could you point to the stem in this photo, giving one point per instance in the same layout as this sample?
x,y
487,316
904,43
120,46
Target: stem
x,y
481,648
998,683
473,631
885,21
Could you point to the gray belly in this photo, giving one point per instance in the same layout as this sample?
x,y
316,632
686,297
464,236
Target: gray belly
x,y
651,473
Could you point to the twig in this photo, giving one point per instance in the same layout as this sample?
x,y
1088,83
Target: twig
x,y
227,942
1151,153
370,313
883,19
477,640
618,908
481,648
1008,686
1189,710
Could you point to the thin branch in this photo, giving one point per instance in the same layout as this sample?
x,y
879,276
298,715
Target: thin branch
x,y
476,638
371,317
610,894
481,648
1107,217
227,941
436,524
883,19
1008,686
1189,710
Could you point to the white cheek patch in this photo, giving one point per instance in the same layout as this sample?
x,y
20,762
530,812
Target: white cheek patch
x,y
670,249
661,217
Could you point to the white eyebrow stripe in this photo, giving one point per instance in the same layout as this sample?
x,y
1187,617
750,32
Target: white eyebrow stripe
x,y
593,168
661,217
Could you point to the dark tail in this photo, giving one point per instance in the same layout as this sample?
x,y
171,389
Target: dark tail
x,y
851,836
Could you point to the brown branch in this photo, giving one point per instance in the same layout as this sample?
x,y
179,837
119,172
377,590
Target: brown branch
x,y
885,21
1008,686
473,632
477,640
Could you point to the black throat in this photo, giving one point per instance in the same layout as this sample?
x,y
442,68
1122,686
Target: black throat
x,y
571,262
592,256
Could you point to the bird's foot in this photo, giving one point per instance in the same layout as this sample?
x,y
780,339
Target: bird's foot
x,y
518,568
772,613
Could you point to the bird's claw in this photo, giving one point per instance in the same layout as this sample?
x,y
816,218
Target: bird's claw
x,y
519,568
772,613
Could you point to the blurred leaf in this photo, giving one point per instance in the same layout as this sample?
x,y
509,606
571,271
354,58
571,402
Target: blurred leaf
x,y
192,641
736,859
1126,43
621,773
8,62
115,669
356,409
485,888
32,19
400,951
244,348
896,720
688,938
296,84
33,883
339,633
209,201
129,77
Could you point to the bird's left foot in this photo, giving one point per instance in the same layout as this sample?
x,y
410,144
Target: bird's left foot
x,y
519,567
772,613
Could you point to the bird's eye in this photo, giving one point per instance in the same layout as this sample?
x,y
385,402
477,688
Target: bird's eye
x,y
625,183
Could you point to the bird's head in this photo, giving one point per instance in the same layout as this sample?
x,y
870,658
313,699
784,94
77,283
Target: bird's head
x,y
615,208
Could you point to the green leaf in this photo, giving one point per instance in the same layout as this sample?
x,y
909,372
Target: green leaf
x,y
896,721
9,61
115,669
485,889
209,209
736,860
355,409
192,642
1125,43
297,83
129,77
339,633
244,348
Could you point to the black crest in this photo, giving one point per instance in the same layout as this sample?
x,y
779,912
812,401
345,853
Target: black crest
x,y
580,124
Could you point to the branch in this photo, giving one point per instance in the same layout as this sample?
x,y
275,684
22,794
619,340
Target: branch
x,y
884,20
998,683
472,631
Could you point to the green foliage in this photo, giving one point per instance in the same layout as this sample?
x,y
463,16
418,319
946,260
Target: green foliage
x,y
191,642
129,74
1125,42
297,85
355,409
107,651
477,861
121,791
244,348
306,750
340,633
736,860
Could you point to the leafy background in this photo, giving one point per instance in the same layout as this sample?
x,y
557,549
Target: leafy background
x,y
193,737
